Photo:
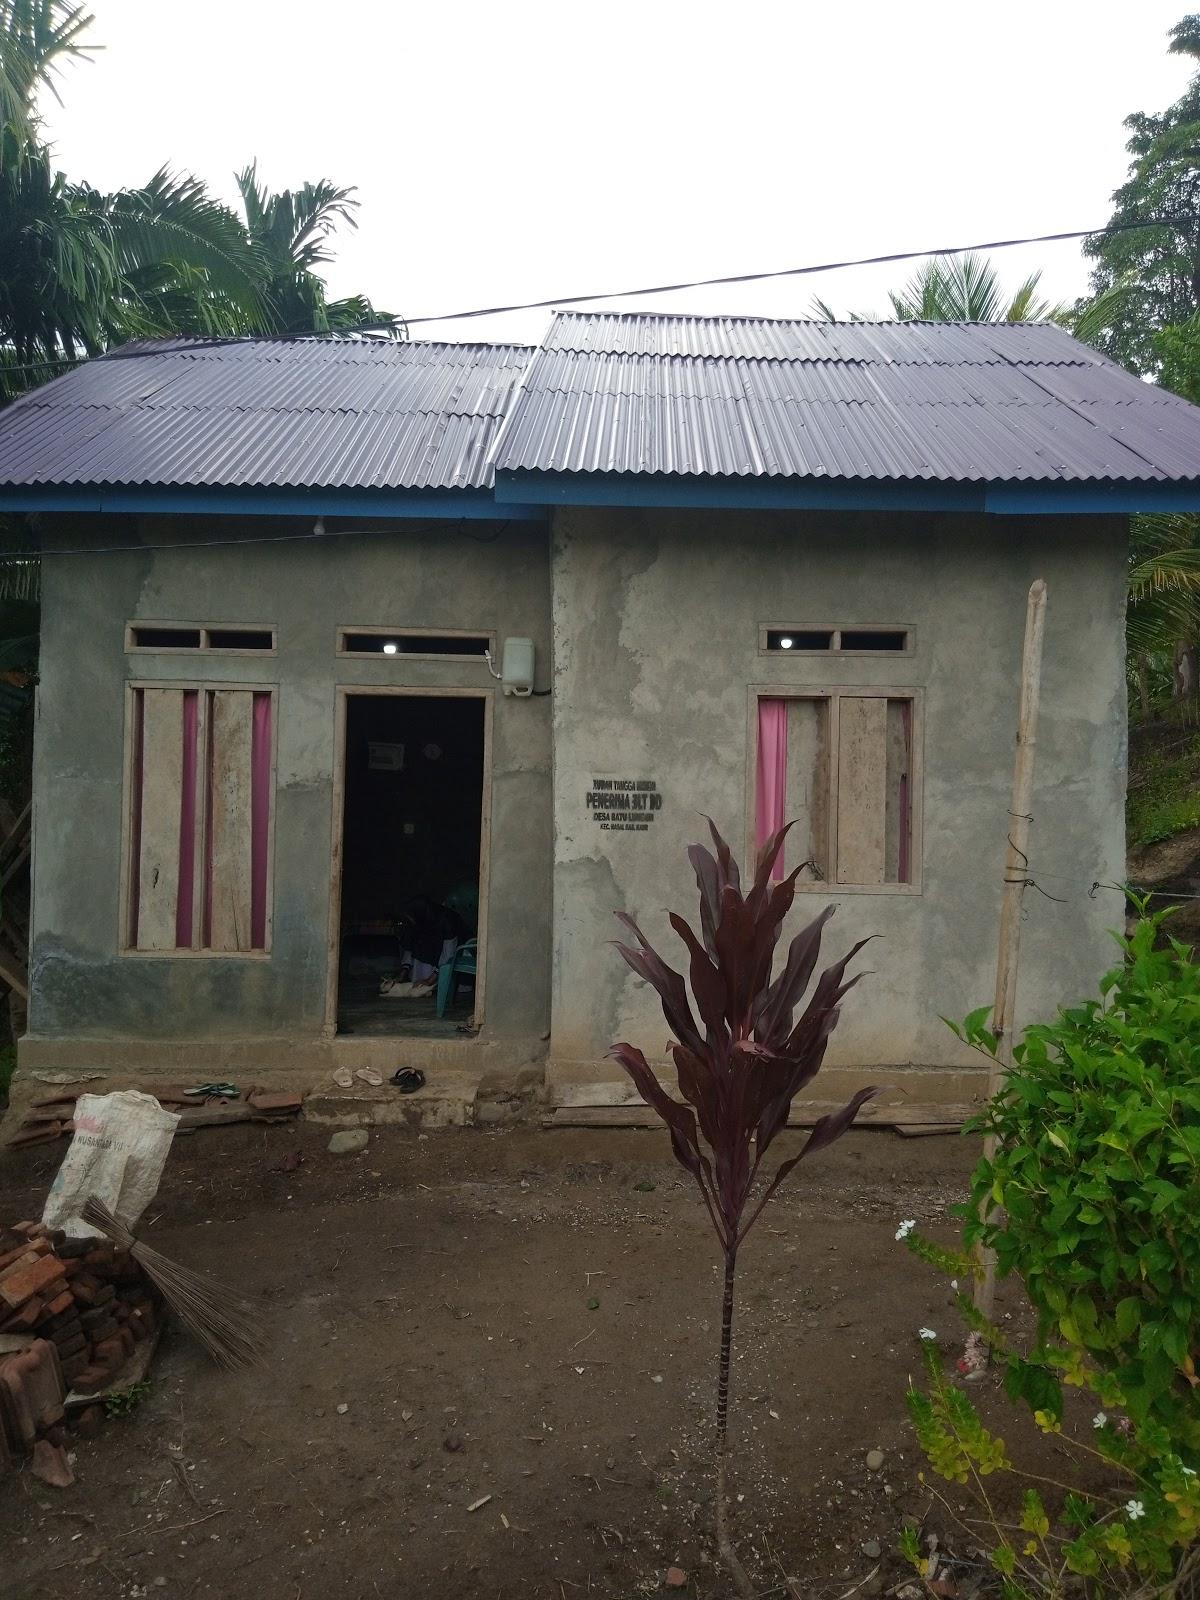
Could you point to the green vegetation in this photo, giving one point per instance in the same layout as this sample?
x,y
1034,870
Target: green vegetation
x,y
1164,787
1090,1200
84,270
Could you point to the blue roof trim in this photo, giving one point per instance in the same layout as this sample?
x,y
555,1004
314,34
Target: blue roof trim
x,y
399,503
792,494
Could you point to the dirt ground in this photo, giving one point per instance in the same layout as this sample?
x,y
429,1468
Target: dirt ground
x,y
515,1315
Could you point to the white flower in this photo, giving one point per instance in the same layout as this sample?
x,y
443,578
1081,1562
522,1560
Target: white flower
x,y
954,1283
1134,1509
1188,1472
1099,1420
926,1333
906,1227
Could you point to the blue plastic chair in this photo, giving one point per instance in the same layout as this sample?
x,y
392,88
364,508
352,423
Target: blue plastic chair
x,y
462,962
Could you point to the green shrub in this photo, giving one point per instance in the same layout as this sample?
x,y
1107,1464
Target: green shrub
x,y
1097,1172
1092,1199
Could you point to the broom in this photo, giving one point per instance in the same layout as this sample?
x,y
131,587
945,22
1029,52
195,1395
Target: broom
x,y
228,1326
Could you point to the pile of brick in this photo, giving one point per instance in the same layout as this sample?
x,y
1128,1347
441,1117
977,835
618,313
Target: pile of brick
x,y
89,1300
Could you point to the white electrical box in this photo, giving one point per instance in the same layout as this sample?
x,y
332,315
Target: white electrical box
x,y
516,666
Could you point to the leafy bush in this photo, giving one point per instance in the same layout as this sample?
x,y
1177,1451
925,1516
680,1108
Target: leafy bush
x,y
1092,1198
1097,1169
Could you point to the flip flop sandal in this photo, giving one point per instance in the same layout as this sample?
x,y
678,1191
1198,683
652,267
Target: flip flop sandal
x,y
369,1075
344,1078
213,1091
408,1079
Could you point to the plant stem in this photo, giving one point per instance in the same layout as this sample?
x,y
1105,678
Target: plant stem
x,y
724,1546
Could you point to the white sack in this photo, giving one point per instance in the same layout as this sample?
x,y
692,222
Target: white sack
x,y
117,1153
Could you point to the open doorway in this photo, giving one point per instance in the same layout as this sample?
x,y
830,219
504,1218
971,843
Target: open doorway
x,y
412,844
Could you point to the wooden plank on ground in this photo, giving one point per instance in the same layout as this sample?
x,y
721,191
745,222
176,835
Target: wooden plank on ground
x,y
943,1118
862,790
162,788
232,713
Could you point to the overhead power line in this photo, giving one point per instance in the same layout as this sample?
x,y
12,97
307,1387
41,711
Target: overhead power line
x,y
624,294
788,272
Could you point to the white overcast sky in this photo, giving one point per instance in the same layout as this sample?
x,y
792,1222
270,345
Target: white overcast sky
x,y
520,151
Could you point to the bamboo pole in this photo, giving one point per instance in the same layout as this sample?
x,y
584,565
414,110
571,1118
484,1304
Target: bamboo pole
x,y
1016,871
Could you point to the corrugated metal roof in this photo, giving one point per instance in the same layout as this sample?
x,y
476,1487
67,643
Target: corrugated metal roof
x,y
267,413
734,397
750,397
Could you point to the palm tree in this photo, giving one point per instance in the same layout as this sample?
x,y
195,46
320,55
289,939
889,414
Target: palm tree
x,y
967,288
290,232
35,35
964,288
1162,619
81,270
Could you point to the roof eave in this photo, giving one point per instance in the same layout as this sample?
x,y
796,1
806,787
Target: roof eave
x,y
149,499
679,491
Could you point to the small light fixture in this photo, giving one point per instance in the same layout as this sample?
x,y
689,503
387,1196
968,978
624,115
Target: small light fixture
x,y
390,647
786,642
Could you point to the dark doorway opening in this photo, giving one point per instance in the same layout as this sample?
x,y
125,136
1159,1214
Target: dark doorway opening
x,y
412,827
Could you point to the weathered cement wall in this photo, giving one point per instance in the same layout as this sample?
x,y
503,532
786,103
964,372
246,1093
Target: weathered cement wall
x,y
656,619
430,575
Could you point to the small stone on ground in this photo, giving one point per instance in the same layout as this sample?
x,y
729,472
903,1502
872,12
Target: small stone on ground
x,y
348,1141
874,1460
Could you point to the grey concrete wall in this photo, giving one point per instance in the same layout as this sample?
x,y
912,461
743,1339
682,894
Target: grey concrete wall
x,y
431,575
656,619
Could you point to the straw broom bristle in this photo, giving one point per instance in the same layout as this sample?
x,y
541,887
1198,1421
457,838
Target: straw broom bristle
x,y
225,1322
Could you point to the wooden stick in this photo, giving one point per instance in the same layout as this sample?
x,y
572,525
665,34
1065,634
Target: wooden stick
x,y
1016,873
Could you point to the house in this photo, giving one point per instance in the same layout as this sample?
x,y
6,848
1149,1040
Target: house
x,y
356,651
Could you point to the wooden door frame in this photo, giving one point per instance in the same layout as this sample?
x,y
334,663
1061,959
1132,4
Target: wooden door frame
x,y
343,691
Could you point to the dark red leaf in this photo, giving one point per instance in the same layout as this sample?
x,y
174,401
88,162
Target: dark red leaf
x,y
738,1081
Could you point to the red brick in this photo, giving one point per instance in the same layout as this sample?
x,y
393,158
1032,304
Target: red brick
x,y
127,1339
24,1319
18,1284
89,1379
108,1349
61,1302
71,1347
85,1288
74,1365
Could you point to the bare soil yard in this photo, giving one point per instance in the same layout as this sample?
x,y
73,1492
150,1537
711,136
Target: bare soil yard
x,y
438,1340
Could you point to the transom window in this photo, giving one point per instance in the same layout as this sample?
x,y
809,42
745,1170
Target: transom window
x,y
169,637
426,642
806,639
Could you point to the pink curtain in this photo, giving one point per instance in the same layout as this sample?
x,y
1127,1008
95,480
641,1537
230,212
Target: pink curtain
x,y
905,865
771,802
135,832
185,904
260,818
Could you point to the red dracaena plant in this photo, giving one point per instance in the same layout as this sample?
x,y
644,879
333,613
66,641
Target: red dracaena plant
x,y
740,1066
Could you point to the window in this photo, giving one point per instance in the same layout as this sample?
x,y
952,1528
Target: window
x,y
414,642
804,639
842,765
172,636
201,781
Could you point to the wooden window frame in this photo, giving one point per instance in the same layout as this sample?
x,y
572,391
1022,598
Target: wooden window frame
x,y
836,629
833,693
205,630
342,693
125,906
399,630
